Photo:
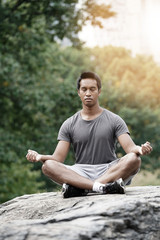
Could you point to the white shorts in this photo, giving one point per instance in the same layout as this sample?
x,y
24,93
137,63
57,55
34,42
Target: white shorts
x,y
93,172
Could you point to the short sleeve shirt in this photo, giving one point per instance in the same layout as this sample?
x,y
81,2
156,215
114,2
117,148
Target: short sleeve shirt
x,y
94,141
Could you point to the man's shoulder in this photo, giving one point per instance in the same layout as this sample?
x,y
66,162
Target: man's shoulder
x,y
72,118
113,118
117,122
110,114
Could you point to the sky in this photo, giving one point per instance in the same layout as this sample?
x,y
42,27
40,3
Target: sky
x,y
148,33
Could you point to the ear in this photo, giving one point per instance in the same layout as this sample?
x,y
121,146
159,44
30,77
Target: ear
x,y
78,93
99,92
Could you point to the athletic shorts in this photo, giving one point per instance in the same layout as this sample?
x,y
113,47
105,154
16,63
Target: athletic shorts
x,y
93,172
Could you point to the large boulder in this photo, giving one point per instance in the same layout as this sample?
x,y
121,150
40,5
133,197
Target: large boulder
x,y
134,215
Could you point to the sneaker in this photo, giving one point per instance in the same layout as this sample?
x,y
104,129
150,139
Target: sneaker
x,y
115,187
70,191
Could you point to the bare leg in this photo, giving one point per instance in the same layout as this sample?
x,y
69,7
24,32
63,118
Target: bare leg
x,y
60,174
127,166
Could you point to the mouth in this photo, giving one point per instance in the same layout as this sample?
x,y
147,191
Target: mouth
x,y
88,99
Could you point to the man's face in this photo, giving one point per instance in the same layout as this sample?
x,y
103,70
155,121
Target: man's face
x,y
88,92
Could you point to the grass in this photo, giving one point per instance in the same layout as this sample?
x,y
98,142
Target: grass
x,y
145,178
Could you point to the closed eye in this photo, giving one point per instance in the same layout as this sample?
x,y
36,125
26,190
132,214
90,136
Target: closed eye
x,y
93,89
83,89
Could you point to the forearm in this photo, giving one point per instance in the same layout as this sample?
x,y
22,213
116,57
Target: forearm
x,y
144,149
43,158
33,156
59,154
130,147
136,149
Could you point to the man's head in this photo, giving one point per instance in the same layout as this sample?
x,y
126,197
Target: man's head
x,y
89,75
89,88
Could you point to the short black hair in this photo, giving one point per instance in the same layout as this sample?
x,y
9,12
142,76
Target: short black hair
x,y
91,75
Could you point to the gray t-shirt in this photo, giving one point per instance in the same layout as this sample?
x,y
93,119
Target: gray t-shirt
x,y
93,141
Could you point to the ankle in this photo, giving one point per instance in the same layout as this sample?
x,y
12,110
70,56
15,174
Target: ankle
x,y
98,187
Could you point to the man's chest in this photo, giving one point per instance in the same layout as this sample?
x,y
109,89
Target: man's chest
x,y
84,132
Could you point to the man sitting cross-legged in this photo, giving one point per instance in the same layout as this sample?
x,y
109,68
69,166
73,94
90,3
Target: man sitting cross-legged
x,y
93,132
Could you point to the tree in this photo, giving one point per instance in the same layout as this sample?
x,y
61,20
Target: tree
x,y
43,95
56,19
35,100
38,81
29,79
131,88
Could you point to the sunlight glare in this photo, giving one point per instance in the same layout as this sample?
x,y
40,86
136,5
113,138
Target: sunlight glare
x,y
152,21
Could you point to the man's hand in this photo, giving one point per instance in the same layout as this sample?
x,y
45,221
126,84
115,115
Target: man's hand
x,y
145,149
33,156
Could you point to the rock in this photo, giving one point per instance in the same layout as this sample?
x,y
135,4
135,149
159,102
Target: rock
x,y
134,215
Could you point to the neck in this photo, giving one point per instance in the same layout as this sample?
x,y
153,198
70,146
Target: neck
x,y
89,113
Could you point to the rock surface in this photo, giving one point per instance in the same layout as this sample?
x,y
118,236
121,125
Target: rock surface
x,y
135,215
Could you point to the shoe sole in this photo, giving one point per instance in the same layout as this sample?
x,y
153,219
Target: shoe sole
x,y
69,191
120,186
116,187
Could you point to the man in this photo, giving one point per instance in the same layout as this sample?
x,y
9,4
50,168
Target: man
x,y
93,132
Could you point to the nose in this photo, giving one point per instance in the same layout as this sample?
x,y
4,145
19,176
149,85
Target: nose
x,y
88,93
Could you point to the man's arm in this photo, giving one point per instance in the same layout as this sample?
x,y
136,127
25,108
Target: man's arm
x,y
129,146
59,154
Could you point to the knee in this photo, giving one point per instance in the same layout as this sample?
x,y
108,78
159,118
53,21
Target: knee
x,y
47,166
134,160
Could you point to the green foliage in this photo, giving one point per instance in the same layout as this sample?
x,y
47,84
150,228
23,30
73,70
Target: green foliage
x,y
34,77
131,87
16,175
56,19
36,101
38,86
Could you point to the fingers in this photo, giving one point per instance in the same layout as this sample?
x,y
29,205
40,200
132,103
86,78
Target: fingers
x,y
31,155
146,148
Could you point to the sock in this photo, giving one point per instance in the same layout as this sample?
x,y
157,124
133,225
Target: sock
x,y
98,187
